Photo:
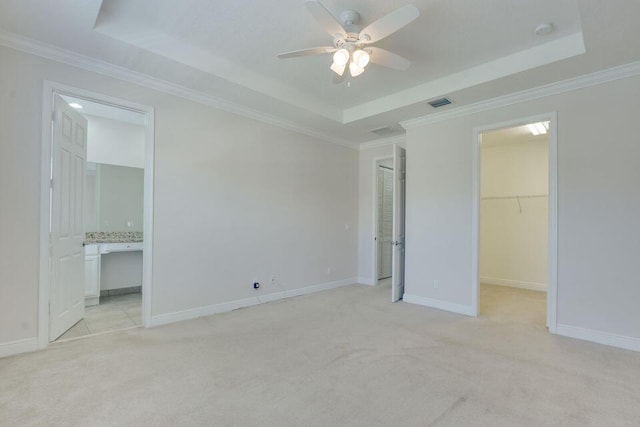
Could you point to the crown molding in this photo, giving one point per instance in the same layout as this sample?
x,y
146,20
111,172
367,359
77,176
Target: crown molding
x,y
377,143
537,56
599,77
74,59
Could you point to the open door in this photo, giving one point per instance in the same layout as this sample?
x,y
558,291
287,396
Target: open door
x,y
397,267
69,155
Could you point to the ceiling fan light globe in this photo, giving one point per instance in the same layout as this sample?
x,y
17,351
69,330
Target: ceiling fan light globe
x,y
361,58
355,69
341,57
338,68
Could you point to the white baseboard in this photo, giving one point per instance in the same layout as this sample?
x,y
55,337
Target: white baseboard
x,y
439,304
17,347
606,338
366,281
193,313
514,283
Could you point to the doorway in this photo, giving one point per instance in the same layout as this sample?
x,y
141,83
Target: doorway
x,y
97,204
384,206
515,223
389,220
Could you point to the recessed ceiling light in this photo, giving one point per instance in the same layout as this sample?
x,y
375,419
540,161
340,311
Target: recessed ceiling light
x,y
540,128
544,29
75,105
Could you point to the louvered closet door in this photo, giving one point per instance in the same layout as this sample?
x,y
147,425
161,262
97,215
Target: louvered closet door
x,y
399,174
385,221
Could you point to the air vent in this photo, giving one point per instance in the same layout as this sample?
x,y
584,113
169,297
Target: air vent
x,y
389,130
437,103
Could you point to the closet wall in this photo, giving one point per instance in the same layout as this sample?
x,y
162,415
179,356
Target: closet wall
x,y
513,211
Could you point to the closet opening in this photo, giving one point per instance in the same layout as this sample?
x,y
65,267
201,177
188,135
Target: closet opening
x,y
389,215
384,220
516,224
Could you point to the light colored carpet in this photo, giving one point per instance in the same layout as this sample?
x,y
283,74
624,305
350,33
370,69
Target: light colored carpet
x,y
345,357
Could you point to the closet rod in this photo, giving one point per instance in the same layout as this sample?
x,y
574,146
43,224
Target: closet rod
x,y
533,196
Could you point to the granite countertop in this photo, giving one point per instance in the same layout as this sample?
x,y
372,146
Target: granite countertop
x,y
94,237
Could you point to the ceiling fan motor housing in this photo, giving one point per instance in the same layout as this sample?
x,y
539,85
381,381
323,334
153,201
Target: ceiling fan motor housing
x,y
350,18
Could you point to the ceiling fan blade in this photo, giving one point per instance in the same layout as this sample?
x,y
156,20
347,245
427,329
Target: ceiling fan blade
x,y
387,59
325,18
389,24
307,52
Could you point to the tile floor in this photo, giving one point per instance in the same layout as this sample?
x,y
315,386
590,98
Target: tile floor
x,y
113,313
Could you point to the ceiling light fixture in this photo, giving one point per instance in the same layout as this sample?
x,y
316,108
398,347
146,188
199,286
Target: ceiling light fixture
x,y
361,58
338,68
355,69
540,128
544,29
340,59
352,44
75,105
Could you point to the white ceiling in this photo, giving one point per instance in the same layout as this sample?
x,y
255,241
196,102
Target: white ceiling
x,y
468,50
106,111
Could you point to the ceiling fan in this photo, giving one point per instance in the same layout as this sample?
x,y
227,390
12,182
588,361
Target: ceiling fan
x,y
351,47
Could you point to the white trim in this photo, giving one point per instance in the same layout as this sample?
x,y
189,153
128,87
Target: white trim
x,y
552,200
49,88
439,304
365,281
17,347
552,280
163,319
377,143
43,50
621,72
606,338
533,286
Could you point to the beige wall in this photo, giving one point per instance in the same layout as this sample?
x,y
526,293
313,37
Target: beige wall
x,y
115,142
514,232
120,196
235,199
598,205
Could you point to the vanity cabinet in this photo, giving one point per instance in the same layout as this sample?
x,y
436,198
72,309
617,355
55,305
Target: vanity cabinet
x,y
92,275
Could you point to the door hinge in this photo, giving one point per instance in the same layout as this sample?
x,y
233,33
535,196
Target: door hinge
x,y
53,116
51,183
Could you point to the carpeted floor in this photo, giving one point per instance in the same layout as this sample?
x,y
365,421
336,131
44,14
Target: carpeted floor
x,y
345,357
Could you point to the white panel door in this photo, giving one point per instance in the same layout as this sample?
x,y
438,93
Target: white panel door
x,y
69,155
399,174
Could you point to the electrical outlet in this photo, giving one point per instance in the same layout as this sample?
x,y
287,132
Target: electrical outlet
x,y
273,280
436,284
256,285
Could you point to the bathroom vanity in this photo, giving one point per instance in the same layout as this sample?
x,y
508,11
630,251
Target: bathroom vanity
x,y
98,244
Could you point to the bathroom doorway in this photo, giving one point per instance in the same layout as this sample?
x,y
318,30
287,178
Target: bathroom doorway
x,y
99,201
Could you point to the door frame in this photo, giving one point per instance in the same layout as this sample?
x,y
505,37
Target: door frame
x,y
552,263
374,264
49,90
